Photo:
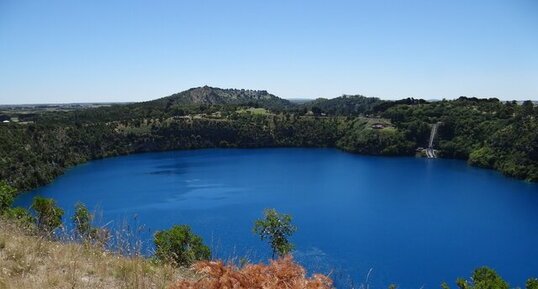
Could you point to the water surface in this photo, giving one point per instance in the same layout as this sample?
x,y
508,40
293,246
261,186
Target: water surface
x,y
414,222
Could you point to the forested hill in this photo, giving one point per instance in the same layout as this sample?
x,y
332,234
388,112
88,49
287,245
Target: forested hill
x,y
345,105
37,147
217,96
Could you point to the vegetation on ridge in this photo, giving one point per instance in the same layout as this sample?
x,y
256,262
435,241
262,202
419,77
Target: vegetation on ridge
x,y
347,105
487,132
217,96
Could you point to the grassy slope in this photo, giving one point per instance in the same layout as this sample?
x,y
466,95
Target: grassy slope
x,y
30,261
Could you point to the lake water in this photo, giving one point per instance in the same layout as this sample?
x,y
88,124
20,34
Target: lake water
x,y
411,221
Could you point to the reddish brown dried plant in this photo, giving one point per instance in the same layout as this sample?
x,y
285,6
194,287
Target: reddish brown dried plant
x,y
283,273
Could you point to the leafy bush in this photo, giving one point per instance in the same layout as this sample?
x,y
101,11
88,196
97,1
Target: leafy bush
x,y
82,221
483,278
486,278
39,152
277,228
20,215
482,157
532,283
49,215
7,195
180,246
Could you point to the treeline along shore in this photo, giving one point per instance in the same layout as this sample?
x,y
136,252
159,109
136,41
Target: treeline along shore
x,y
37,147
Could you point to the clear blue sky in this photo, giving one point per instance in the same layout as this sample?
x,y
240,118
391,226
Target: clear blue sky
x,y
85,51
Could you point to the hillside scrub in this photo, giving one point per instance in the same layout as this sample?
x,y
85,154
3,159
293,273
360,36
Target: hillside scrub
x,y
280,273
487,278
32,257
49,215
7,195
180,246
84,229
486,132
32,261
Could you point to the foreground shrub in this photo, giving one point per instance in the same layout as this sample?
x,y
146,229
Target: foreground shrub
x,y
486,278
20,215
49,215
483,278
7,195
276,228
180,246
281,273
82,220
532,283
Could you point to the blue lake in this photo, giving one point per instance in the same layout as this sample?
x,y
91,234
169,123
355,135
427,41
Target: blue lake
x,y
414,222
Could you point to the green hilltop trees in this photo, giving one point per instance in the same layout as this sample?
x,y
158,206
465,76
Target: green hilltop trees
x,y
486,132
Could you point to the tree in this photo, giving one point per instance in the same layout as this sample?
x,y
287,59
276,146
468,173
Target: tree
x,y
316,110
180,246
527,108
19,215
82,221
276,228
486,278
532,283
483,278
7,195
49,215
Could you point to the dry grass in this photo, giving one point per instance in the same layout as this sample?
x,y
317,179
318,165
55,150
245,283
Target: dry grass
x,y
279,274
30,261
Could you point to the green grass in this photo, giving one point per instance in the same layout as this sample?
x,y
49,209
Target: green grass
x,y
252,110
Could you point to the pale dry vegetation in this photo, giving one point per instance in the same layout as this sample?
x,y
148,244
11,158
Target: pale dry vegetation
x,y
29,261
283,273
